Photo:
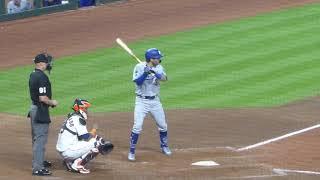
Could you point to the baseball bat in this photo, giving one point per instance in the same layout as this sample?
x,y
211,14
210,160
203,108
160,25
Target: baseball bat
x,y
126,48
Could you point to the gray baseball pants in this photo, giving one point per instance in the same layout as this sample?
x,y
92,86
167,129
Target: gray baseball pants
x,y
39,132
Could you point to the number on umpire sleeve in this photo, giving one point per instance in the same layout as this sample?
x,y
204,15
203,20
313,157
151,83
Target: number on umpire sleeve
x,y
42,90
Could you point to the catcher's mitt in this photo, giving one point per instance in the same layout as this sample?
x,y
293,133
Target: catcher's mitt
x,y
105,148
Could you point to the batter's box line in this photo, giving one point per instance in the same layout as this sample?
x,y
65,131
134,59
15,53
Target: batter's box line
x,y
248,177
285,171
279,138
205,148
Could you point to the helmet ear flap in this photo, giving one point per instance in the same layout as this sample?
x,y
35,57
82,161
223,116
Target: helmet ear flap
x,y
76,104
80,104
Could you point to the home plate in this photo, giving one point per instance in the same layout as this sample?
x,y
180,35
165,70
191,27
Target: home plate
x,y
205,163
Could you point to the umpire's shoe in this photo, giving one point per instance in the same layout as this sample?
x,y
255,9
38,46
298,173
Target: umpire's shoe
x,y
42,172
47,164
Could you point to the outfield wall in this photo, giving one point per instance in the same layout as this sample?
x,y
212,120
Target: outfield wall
x,y
39,10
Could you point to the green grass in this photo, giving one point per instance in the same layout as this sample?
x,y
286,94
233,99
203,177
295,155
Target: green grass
x,y
267,60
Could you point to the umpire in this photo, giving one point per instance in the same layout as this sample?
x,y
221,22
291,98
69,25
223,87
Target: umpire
x,y
40,93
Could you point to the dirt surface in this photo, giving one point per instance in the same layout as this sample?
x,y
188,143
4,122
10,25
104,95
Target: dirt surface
x,y
195,135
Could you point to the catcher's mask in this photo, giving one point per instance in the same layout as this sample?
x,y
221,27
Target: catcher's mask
x,y
81,106
46,58
153,53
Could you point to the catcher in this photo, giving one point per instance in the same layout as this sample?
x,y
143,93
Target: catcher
x,y
75,144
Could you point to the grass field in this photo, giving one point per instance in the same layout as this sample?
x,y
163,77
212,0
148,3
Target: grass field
x,y
267,60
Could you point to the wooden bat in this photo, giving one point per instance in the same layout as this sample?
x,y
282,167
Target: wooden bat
x,y
126,48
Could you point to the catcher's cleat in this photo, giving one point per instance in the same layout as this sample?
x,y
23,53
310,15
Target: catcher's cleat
x,y
131,157
77,167
166,150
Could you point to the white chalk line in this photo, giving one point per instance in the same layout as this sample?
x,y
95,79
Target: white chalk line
x,y
279,138
279,172
296,171
249,177
205,148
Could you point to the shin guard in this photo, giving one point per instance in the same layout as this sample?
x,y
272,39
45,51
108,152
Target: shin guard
x,y
89,156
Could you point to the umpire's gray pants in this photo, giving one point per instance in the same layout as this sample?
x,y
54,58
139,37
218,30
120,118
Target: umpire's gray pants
x,y
39,132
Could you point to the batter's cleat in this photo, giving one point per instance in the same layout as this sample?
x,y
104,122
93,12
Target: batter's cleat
x,y
166,150
131,157
42,172
77,167
47,164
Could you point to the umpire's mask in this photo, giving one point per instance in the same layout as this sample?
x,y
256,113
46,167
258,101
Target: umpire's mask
x,y
46,58
49,63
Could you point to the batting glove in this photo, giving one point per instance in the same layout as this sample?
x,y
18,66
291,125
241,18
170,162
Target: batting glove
x,y
157,75
147,69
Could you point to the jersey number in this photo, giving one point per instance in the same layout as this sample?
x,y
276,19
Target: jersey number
x,y
42,90
71,123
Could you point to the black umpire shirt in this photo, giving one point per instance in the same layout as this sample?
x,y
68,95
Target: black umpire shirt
x,y
39,85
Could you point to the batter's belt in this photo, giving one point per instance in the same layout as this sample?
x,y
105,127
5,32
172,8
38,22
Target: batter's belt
x,y
146,97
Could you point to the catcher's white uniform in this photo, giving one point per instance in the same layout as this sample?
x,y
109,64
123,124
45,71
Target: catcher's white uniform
x,y
68,145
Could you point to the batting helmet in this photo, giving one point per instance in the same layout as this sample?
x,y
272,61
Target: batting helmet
x,y
153,53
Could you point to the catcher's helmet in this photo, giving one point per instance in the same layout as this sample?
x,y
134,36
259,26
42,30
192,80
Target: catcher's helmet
x,y
153,53
81,106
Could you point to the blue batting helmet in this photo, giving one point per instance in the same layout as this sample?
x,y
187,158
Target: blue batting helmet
x,y
153,53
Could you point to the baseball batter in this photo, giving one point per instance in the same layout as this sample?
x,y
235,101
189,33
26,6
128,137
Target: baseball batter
x,y
75,144
147,76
